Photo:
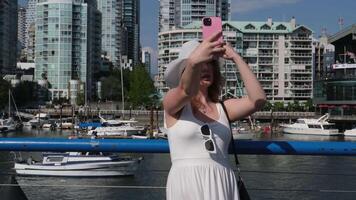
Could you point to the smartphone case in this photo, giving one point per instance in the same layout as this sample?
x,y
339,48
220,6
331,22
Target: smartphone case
x,y
216,25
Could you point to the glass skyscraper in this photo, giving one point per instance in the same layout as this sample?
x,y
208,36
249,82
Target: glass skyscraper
x,y
30,19
120,30
131,26
67,45
111,12
8,35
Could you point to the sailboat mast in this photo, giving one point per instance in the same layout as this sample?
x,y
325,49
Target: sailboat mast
x,y
9,103
122,94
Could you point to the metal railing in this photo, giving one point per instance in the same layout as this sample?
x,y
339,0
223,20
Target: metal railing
x,y
161,146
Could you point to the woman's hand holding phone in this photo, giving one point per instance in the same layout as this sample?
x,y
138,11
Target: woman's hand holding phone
x,y
207,50
210,26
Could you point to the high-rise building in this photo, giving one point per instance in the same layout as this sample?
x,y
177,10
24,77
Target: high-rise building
x,y
111,12
31,40
30,19
146,59
21,27
178,13
131,29
8,35
120,30
67,47
279,53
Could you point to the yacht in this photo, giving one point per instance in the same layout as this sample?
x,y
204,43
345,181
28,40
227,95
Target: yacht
x,y
350,133
7,125
305,126
38,121
116,127
78,164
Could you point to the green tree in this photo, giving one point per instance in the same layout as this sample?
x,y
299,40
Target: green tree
x,y
141,87
111,85
308,105
267,106
278,106
296,106
24,93
4,93
80,99
290,107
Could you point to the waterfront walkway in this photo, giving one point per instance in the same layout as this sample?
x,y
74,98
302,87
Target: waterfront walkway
x,y
146,113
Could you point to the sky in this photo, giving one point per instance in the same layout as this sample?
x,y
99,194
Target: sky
x,y
315,14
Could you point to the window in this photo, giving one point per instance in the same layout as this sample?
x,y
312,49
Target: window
x,y
54,159
265,27
281,27
250,27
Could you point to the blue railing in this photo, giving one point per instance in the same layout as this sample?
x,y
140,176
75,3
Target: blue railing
x,y
161,146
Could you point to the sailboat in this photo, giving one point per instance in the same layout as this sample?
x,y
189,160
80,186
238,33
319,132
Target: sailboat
x,y
8,124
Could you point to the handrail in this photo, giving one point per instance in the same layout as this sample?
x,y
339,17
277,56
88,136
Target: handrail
x,y
161,146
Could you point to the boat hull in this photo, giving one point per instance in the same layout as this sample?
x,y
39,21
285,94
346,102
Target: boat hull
x,y
320,132
350,133
75,173
96,169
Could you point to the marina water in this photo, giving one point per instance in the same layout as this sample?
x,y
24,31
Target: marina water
x,y
266,176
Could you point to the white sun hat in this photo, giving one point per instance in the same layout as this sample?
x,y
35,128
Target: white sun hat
x,y
175,68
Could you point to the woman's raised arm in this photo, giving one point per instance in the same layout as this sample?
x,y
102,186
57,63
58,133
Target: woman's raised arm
x,y
256,97
188,85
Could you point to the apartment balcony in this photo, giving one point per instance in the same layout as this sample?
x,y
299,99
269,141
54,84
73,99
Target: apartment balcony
x,y
299,71
249,55
267,87
265,47
265,62
265,71
305,79
301,87
250,38
265,79
177,38
301,46
300,39
265,54
303,95
301,63
266,38
301,55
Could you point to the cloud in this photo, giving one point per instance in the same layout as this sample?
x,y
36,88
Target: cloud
x,y
244,6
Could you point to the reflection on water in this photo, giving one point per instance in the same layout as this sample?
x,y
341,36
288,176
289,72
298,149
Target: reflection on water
x,y
266,176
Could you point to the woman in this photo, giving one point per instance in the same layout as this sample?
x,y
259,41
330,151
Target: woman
x,y
198,129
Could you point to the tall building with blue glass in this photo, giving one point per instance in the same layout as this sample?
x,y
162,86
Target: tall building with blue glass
x,y
111,13
131,29
120,30
8,36
67,45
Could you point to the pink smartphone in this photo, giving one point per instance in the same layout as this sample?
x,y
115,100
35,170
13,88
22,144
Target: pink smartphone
x,y
212,25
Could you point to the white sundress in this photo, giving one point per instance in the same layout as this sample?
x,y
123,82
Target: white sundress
x,y
196,173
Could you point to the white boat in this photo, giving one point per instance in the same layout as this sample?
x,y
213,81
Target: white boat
x,y
305,126
37,121
65,125
7,125
77,164
350,133
139,137
122,128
